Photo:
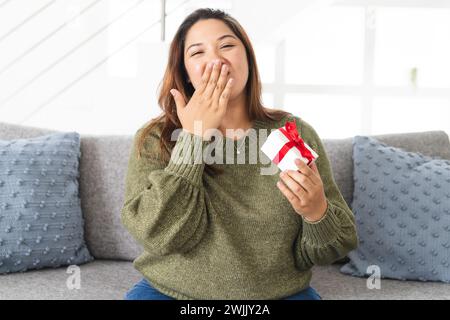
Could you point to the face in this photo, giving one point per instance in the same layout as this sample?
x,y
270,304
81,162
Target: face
x,y
215,41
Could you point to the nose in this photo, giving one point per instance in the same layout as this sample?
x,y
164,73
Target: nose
x,y
220,60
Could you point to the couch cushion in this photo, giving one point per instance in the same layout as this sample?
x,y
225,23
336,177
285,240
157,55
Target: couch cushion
x,y
340,152
99,280
41,224
103,279
103,165
333,285
402,208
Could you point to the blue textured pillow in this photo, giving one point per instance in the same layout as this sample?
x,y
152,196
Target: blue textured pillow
x,y
401,204
41,224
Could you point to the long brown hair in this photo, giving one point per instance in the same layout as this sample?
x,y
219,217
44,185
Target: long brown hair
x,y
176,77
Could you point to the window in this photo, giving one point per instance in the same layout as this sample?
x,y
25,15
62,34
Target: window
x,y
413,47
326,47
398,114
366,64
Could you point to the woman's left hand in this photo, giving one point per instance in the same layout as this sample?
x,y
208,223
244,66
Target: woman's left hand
x,y
304,190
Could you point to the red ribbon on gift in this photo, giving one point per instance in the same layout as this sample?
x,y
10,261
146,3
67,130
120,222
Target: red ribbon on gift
x,y
290,131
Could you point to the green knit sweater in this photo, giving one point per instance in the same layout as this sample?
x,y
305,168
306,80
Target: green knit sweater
x,y
233,235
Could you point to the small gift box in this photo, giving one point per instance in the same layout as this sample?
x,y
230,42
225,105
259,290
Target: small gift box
x,y
284,145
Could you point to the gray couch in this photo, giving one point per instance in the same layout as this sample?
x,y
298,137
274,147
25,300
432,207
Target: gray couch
x,y
103,168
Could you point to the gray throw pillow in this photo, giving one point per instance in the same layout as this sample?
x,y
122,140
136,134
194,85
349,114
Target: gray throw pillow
x,y
41,223
401,203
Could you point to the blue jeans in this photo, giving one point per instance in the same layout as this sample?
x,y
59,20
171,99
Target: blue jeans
x,y
144,291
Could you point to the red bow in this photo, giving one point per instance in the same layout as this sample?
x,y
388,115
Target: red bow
x,y
290,131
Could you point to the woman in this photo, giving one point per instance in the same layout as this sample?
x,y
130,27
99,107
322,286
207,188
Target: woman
x,y
225,231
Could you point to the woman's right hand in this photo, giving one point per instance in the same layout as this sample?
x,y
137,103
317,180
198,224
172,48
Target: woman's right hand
x,y
209,102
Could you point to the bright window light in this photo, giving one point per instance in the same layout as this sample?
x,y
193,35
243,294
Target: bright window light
x,y
326,47
331,116
397,115
413,47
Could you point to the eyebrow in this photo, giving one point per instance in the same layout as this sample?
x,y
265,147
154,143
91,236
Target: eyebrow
x,y
220,38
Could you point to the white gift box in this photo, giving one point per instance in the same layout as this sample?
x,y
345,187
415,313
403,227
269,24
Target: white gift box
x,y
278,140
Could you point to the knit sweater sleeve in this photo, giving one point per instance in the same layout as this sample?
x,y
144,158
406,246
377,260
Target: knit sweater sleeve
x,y
164,205
332,237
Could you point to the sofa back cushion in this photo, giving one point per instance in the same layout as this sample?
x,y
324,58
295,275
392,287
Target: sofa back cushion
x,y
41,223
103,164
402,207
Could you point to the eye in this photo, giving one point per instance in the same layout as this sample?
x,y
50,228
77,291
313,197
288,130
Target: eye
x,y
225,46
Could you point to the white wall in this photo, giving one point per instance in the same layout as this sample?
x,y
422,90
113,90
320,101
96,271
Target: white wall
x,y
44,88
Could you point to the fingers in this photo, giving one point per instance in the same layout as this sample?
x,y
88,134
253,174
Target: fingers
x,y
314,168
179,100
215,83
212,82
296,188
301,179
307,171
292,198
205,77
221,83
226,93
